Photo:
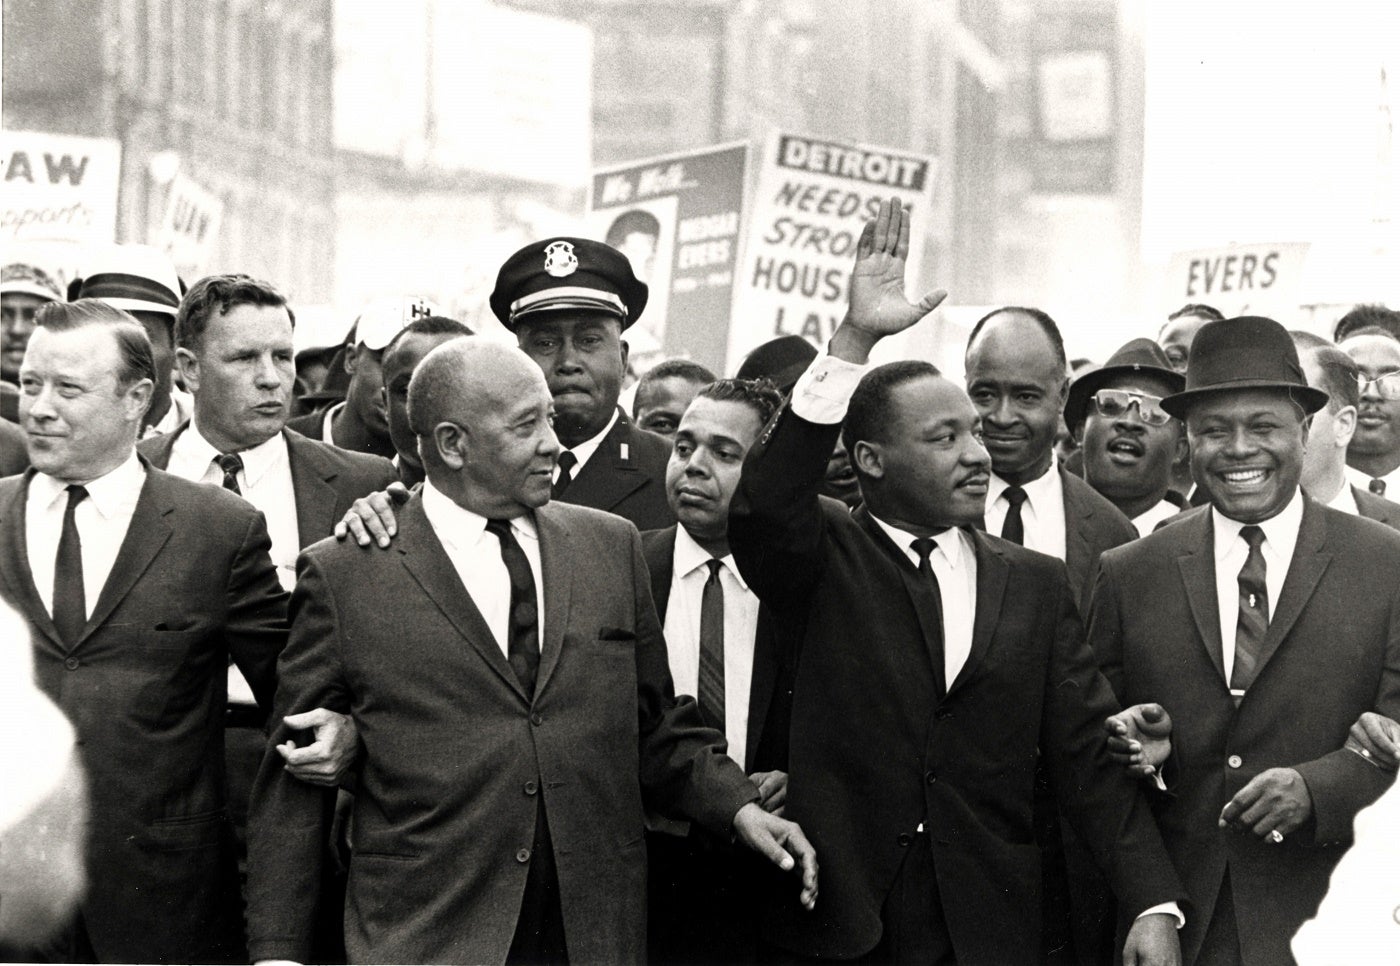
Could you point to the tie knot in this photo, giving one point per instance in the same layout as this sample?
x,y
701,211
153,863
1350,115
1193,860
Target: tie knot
x,y
714,566
76,494
923,546
567,461
229,462
501,528
1252,536
1015,495
1377,487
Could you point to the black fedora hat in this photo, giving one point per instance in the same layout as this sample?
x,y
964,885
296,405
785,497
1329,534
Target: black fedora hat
x,y
1139,355
1250,352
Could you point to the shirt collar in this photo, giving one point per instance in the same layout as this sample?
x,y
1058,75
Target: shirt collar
x,y
459,528
1040,492
109,494
583,451
1280,530
195,449
690,557
1345,500
950,541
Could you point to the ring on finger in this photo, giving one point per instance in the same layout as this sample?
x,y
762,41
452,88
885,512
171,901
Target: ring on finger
x,y
1276,837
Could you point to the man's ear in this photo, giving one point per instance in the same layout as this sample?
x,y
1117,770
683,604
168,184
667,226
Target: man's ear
x,y
137,399
451,443
188,364
625,350
868,459
1064,393
352,358
1344,426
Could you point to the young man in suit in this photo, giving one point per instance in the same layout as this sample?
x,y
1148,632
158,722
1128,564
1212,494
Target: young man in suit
x,y
506,671
1330,432
139,588
665,391
401,358
1374,455
723,648
1264,625
935,662
569,301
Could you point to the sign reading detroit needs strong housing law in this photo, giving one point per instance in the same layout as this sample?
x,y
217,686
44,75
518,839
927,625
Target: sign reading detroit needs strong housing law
x,y
812,200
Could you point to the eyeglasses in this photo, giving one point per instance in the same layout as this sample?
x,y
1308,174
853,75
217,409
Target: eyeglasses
x,y
1387,385
1113,403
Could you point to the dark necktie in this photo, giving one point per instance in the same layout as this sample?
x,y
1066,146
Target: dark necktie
x,y
711,682
923,546
567,462
523,648
1377,487
230,463
69,594
1254,614
1012,528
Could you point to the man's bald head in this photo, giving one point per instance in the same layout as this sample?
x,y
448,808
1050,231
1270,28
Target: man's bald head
x,y
482,413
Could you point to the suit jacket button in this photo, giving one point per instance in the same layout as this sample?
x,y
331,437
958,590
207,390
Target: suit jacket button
x,y
537,719
943,714
522,856
905,838
531,788
71,664
1234,761
930,777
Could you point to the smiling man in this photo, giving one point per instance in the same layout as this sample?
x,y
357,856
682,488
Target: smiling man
x,y
568,301
1264,625
1374,453
1130,443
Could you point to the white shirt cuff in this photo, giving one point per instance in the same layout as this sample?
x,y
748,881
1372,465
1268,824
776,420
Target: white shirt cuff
x,y
1165,909
1160,782
824,390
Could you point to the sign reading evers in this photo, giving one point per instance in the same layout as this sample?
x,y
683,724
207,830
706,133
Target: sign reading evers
x,y
812,200
1238,278
677,219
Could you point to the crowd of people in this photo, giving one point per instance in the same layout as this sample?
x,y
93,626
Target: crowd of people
x,y
422,648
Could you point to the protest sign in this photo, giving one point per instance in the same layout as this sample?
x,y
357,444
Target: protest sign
x,y
678,219
1237,279
813,198
190,228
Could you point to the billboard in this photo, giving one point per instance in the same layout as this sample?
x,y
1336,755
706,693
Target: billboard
x,y
813,198
678,219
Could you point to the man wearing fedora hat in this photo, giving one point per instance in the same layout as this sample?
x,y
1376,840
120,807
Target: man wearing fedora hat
x,y
1244,641
1130,443
142,282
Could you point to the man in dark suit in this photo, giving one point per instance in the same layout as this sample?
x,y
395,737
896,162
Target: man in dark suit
x,y
139,587
934,662
505,668
568,301
13,456
1329,434
725,649
1264,626
1016,368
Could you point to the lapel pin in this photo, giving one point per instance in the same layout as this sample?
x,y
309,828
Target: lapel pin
x,y
624,449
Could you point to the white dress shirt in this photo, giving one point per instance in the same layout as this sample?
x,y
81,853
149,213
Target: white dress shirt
x,y
328,423
265,481
689,573
181,409
584,451
476,556
1231,552
1363,480
1146,521
102,521
1042,515
1345,500
954,563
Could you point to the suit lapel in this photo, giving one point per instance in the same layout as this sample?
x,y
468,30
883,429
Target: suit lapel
x,y
1197,568
148,532
992,574
928,616
14,563
1305,570
557,570
611,474
316,498
1078,516
430,566
659,549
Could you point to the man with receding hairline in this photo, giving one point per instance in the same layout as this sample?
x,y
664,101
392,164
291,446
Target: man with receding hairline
x,y
505,669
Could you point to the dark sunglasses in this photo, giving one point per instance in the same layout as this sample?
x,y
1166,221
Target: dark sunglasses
x,y
1113,403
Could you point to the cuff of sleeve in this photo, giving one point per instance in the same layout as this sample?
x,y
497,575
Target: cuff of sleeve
x,y
824,390
1165,909
1159,781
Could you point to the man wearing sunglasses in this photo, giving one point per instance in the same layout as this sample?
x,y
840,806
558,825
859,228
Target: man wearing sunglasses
x,y
1129,441
1374,453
